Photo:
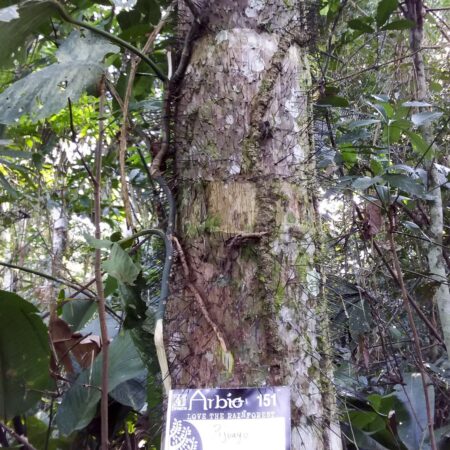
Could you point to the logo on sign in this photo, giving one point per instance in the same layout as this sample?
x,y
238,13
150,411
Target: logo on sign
x,y
179,402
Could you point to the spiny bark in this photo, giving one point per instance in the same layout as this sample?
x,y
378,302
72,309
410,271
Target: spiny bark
x,y
246,218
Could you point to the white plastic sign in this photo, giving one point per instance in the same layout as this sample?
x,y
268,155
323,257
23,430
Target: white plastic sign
x,y
229,419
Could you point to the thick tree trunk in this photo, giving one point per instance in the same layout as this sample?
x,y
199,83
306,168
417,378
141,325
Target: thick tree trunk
x,y
246,216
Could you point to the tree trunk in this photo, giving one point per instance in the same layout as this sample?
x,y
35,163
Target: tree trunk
x,y
437,266
246,216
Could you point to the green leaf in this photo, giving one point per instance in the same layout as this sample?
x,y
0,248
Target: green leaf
x,y
412,417
405,183
384,10
79,405
381,110
416,104
423,118
382,404
17,24
362,439
110,286
15,153
132,392
362,123
333,101
359,319
121,266
78,312
363,183
7,187
419,144
349,154
24,355
47,91
361,24
37,435
97,243
383,98
401,24
392,133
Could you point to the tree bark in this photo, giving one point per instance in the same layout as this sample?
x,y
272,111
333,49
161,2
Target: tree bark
x,y
436,262
246,215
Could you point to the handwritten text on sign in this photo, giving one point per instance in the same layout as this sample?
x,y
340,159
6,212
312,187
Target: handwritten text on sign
x,y
228,419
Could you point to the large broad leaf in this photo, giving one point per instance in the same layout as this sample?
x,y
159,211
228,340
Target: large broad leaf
x,y
120,265
47,91
37,431
401,24
423,118
407,184
24,355
18,24
384,10
132,392
419,144
411,415
333,101
78,312
361,24
79,405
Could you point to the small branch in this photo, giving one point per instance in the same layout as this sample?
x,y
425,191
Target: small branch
x,y
239,238
135,60
376,66
438,9
22,439
98,273
72,126
393,274
198,297
48,277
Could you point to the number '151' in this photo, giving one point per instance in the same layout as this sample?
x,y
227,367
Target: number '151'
x,y
267,400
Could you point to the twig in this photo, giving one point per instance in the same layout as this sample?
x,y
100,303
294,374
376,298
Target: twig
x,y
22,439
393,274
49,426
198,297
98,273
46,276
72,126
135,60
376,66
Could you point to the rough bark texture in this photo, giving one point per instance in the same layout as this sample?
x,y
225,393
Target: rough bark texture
x,y
436,262
246,215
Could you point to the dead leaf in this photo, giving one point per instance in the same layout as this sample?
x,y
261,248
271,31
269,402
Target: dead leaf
x,y
71,346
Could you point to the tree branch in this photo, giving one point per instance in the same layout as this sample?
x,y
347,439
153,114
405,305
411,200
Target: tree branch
x,y
22,439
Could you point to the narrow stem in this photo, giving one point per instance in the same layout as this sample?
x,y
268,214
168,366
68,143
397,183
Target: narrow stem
x,y
98,272
76,286
22,439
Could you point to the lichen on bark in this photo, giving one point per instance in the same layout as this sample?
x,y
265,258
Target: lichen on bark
x,y
245,95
